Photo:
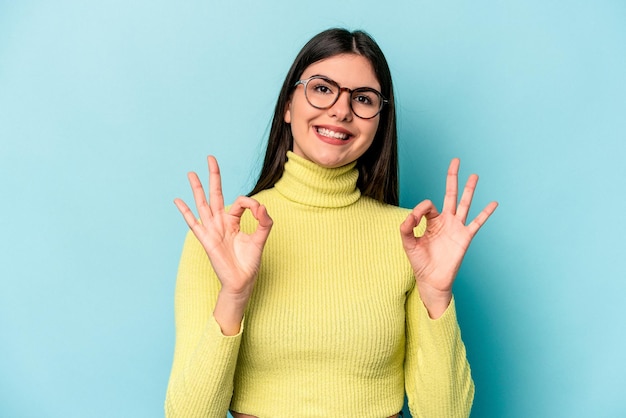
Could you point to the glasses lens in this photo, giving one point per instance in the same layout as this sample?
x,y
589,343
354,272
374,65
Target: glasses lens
x,y
366,103
321,92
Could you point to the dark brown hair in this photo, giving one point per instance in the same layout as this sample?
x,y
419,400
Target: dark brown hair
x,y
378,166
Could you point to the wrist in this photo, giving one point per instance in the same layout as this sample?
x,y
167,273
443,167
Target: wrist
x,y
238,296
229,311
435,301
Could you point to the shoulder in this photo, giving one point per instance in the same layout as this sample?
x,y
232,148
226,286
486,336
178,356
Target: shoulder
x,y
265,195
383,209
384,212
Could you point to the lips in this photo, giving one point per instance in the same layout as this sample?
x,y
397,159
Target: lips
x,y
333,133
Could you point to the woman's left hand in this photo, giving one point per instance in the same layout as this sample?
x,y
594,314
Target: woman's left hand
x,y
436,256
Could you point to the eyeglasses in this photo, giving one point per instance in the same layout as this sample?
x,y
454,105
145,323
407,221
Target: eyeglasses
x,y
322,93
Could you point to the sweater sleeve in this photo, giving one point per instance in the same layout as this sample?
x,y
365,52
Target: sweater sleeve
x,y
201,380
437,374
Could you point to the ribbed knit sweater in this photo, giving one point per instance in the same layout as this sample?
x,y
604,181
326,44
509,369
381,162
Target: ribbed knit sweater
x,y
335,326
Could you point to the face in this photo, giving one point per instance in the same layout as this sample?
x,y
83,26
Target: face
x,y
335,136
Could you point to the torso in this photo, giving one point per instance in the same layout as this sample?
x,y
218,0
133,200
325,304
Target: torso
x,y
329,328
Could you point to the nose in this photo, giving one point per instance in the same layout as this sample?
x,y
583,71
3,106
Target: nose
x,y
341,109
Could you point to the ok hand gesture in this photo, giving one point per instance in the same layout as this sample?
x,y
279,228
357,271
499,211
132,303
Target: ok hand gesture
x,y
234,255
437,255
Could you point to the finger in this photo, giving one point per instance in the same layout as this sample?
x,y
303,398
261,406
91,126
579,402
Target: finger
x,y
265,222
264,227
406,227
426,209
423,209
482,217
204,211
242,203
188,215
449,200
406,232
216,198
466,199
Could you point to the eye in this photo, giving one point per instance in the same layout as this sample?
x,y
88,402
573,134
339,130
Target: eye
x,y
320,86
365,98
322,89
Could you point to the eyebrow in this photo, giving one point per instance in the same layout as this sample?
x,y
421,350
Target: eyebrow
x,y
331,79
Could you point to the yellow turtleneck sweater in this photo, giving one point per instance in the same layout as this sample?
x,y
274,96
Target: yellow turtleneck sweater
x,y
335,326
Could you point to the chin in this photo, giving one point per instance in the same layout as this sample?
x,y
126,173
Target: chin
x,y
330,162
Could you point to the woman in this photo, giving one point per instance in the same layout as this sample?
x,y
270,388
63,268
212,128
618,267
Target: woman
x,y
323,309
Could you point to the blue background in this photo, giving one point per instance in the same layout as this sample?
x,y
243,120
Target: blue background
x,y
105,105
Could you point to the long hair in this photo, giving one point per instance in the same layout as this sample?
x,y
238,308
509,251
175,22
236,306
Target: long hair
x,y
378,166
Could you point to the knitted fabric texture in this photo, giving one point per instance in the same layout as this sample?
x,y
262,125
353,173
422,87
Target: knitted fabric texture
x,y
335,326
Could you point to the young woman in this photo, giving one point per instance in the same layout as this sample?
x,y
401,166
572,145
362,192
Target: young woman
x,y
340,302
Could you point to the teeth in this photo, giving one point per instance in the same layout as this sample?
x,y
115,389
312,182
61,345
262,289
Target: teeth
x,y
332,134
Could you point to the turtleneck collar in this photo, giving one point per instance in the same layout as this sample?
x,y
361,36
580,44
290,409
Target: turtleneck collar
x,y
310,184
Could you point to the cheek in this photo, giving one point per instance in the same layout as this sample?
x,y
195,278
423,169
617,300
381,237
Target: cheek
x,y
372,130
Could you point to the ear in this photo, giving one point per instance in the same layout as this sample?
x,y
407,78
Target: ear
x,y
288,112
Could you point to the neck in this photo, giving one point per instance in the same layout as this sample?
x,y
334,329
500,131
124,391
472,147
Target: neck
x,y
307,183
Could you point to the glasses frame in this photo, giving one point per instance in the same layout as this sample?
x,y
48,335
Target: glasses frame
x,y
305,82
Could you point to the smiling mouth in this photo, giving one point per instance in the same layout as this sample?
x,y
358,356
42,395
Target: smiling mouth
x,y
332,134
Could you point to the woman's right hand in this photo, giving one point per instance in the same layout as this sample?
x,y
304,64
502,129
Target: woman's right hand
x,y
234,255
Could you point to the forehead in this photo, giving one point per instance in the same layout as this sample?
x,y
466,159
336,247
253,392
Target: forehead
x,y
348,70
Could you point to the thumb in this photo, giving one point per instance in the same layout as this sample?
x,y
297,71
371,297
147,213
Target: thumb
x,y
264,227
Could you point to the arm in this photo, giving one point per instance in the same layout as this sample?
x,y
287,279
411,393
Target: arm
x,y
216,276
437,375
438,379
201,380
